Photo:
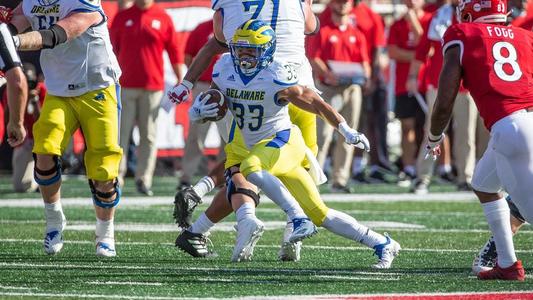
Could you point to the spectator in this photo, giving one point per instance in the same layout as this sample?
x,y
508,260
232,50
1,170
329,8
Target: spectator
x,y
404,35
22,159
519,16
339,43
139,35
372,27
194,145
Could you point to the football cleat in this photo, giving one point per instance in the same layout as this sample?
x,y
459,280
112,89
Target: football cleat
x,y
106,248
185,202
302,228
514,272
53,241
249,231
386,253
486,258
195,244
290,251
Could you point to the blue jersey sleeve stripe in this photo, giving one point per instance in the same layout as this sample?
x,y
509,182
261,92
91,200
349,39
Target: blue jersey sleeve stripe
x,y
89,4
214,4
215,75
285,83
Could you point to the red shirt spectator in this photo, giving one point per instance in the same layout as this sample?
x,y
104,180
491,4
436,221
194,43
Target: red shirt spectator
x,y
197,39
367,21
525,22
139,44
339,43
401,35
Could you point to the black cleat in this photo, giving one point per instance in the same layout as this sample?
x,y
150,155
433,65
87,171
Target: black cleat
x,y
486,258
194,244
185,202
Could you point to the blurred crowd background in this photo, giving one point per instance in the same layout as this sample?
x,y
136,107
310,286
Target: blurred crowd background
x,y
376,62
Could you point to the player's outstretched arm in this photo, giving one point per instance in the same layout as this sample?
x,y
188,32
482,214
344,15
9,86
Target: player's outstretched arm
x,y
18,19
17,96
64,30
309,100
449,82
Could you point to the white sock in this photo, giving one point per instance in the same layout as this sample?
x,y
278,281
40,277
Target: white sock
x,y
247,210
498,216
105,230
55,219
202,225
277,192
348,227
204,186
358,164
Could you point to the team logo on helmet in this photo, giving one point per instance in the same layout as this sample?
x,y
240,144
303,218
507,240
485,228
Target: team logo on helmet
x,y
482,11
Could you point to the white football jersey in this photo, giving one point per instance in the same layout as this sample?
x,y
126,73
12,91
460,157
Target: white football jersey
x,y
286,17
84,64
254,104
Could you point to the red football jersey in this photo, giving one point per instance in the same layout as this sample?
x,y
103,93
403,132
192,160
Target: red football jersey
x,y
497,64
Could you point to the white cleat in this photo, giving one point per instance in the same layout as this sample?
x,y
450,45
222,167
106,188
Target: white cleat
x,y
302,228
53,241
386,253
290,251
106,248
486,258
248,233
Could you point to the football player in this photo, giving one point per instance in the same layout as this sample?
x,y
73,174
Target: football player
x,y
81,75
264,141
17,87
495,62
292,20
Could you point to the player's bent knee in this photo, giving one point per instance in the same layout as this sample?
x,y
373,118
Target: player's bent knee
x,y
105,194
48,176
234,187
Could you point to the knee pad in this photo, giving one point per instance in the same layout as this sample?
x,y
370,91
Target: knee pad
x,y
98,195
231,189
514,210
56,169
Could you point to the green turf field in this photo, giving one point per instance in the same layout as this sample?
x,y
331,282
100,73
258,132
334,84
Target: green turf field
x,y
439,240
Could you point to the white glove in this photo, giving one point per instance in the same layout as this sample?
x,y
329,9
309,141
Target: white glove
x,y
353,137
199,111
433,146
180,92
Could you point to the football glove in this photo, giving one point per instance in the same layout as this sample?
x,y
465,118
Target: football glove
x,y
433,146
201,110
180,92
353,137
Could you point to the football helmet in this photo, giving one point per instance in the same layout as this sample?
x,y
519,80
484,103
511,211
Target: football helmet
x,y
252,47
482,11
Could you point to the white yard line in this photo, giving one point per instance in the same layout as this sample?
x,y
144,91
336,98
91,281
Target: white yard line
x,y
125,283
149,201
305,246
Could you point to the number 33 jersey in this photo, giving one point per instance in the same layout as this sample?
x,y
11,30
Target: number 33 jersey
x,y
497,63
253,101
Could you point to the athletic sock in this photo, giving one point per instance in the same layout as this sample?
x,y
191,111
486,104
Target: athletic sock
x,y
348,227
105,230
202,225
204,186
277,192
498,216
55,219
410,170
247,210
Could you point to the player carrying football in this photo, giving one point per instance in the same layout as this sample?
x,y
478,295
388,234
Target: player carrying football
x,y
495,62
81,76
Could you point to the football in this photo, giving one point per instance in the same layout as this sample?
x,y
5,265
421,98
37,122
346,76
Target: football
x,y
218,98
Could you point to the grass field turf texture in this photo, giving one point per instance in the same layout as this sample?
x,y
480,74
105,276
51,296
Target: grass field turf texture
x,y
439,238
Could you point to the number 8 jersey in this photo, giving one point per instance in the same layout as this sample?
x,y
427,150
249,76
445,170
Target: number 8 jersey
x,y
254,103
286,18
497,63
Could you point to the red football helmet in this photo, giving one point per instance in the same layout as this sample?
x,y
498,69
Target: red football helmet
x,y
482,11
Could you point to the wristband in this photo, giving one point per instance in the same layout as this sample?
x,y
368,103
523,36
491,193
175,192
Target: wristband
x,y
344,129
187,84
